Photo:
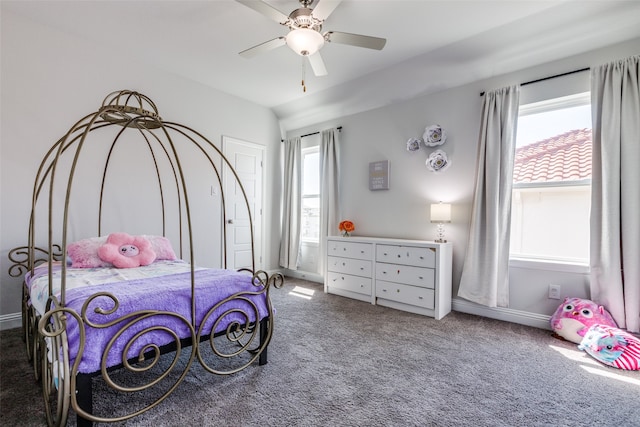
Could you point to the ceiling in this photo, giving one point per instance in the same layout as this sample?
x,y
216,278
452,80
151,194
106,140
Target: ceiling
x,y
431,44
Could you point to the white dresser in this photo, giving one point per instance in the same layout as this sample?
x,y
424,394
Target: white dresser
x,y
410,275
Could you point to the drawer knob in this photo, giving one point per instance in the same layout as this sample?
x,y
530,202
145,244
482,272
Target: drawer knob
x,y
399,255
361,268
343,264
398,290
420,277
385,254
421,257
384,290
361,252
420,297
398,271
362,286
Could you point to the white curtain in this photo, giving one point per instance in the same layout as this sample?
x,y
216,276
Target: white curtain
x,y
329,191
615,197
485,278
291,204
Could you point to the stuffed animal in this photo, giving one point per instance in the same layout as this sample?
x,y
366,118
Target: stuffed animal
x,y
125,251
574,316
612,346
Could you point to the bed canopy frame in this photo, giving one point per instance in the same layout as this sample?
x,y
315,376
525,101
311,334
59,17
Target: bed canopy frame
x,y
125,116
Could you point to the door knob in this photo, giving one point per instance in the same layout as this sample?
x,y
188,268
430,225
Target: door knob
x,y
229,221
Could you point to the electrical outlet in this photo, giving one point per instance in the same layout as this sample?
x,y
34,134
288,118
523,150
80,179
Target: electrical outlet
x,y
554,291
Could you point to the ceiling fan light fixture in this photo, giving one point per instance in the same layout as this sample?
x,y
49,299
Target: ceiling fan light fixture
x,y
304,41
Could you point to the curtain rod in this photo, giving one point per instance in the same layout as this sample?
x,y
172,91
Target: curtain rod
x,y
551,77
315,133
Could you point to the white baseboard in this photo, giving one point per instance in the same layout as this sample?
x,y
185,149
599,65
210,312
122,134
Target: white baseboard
x,y
507,314
312,277
10,321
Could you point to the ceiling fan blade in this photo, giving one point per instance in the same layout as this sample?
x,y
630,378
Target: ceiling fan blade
x,y
265,9
317,64
263,47
324,8
355,40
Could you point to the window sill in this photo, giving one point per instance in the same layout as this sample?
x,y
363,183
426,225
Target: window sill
x,y
549,265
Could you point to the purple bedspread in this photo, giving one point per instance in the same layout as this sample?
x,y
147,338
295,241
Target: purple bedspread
x,y
166,293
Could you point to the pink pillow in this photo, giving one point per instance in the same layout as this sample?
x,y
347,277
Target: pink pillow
x,y
162,247
84,253
126,251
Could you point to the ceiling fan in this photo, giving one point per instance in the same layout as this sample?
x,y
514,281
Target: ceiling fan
x,y
304,36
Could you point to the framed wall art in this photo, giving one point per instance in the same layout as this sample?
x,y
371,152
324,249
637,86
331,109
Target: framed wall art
x,y
379,175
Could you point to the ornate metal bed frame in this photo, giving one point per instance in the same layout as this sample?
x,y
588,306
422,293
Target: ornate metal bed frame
x,y
130,112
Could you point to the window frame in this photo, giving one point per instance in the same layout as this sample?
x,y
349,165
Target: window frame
x,y
547,262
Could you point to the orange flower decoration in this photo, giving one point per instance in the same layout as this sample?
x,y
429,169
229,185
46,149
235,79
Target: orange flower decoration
x,y
346,227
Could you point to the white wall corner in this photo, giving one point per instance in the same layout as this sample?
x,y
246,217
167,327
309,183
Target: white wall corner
x,y
499,313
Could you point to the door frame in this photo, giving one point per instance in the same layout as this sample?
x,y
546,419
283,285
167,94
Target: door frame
x,y
225,171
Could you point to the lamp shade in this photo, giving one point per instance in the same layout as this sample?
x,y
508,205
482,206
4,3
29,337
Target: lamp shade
x,y
304,41
441,212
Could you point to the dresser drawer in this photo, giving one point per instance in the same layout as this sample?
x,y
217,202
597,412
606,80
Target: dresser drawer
x,y
407,255
356,267
406,294
349,249
417,276
360,285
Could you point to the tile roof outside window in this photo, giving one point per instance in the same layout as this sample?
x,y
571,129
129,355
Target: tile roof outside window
x,y
564,157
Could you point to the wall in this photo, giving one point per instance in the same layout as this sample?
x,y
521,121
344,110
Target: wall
x,y
403,211
49,80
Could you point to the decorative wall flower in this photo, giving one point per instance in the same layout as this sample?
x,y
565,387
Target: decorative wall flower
x,y
413,144
346,227
434,135
437,161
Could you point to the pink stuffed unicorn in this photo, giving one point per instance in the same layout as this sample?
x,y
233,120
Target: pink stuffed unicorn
x,y
574,316
125,251
612,346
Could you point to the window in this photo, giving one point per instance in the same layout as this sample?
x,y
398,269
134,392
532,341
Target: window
x,y
552,181
310,223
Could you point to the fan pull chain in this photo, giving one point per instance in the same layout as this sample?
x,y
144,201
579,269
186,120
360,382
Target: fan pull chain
x,y
304,87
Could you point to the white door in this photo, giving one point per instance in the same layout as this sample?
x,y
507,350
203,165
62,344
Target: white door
x,y
247,160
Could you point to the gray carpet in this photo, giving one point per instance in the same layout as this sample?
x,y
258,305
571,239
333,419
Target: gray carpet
x,y
338,362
